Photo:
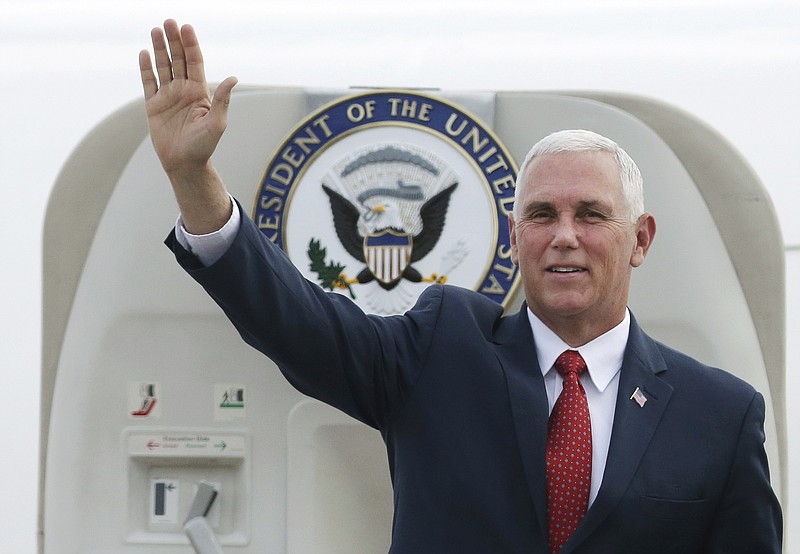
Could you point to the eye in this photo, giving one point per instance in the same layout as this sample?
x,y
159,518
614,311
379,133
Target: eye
x,y
541,214
590,214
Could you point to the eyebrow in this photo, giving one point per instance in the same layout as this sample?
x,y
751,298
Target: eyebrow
x,y
595,205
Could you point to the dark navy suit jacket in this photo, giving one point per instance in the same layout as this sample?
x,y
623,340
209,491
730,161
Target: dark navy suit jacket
x,y
457,394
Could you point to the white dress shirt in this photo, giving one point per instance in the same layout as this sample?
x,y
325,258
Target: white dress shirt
x,y
603,357
210,247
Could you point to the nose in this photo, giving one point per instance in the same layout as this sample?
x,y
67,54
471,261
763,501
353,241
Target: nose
x,y
565,233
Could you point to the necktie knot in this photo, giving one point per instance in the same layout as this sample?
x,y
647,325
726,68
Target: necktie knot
x,y
570,361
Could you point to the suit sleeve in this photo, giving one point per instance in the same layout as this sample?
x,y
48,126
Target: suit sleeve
x,y
748,519
322,342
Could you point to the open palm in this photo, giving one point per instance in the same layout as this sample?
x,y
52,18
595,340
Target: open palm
x,y
185,123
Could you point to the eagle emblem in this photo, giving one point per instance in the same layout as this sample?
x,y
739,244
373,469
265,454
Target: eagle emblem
x,y
383,217
387,248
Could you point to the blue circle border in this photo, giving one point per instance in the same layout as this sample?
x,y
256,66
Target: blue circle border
x,y
403,108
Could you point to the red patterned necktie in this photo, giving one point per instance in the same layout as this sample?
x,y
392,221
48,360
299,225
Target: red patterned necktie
x,y
569,454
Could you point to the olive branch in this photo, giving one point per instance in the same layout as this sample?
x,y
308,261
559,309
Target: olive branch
x,y
331,274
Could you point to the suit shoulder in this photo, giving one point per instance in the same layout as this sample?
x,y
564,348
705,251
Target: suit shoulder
x,y
460,299
459,307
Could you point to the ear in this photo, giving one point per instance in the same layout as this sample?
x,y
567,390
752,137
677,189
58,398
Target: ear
x,y
512,234
645,233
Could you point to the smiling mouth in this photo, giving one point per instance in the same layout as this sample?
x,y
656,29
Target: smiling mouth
x,y
565,269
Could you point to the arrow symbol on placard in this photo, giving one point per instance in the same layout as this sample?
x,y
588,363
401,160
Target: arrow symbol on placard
x,y
151,445
221,445
170,487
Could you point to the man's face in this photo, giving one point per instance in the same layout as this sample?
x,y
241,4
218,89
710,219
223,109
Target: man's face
x,y
575,244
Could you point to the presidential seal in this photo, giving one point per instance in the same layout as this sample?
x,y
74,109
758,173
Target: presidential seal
x,y
378,195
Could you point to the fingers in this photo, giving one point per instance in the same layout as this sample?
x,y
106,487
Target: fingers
x,y
190,48
149,82
183,59
163,64
178,57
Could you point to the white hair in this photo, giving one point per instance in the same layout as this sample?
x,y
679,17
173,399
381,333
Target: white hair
x,y
579,140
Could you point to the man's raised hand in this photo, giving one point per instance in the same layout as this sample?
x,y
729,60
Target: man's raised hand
x,y
185,123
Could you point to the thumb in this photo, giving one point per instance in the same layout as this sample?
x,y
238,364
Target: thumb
x,y
222,96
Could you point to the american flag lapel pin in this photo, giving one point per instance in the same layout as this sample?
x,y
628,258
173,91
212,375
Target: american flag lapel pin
x,y
639,397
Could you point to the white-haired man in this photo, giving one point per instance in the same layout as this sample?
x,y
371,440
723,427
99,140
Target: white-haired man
x,y
562,428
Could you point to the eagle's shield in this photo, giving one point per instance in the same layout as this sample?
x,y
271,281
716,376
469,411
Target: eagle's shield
x,y
387,254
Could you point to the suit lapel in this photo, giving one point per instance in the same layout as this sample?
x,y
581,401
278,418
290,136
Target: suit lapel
x,y
633,426
517,355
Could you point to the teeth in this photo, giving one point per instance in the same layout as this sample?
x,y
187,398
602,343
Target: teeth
x,y
564,270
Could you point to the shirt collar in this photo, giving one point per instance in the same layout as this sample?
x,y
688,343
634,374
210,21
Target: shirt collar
x,y
603,355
